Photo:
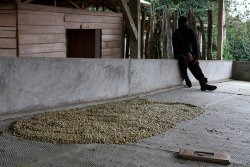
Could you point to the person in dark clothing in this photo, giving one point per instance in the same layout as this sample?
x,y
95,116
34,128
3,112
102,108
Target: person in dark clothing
x,y
187,52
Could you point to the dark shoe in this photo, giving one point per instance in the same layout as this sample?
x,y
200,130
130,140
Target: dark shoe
x,y
205,80
208,87
188,82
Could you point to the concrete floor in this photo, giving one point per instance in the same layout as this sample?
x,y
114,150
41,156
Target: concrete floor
x,y
224,126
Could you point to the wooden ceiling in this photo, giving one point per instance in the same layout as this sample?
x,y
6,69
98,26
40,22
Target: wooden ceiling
x,y
80,4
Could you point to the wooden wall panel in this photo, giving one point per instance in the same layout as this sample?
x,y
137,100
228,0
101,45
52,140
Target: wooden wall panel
x,y
111,51
42,48
41,34
7,34
112,44
7,20
8,28
44,20
74,25
7,43
92,19
8,52
111,32
111,38
41,38
28,29
52,54
4,6
7,11
42,30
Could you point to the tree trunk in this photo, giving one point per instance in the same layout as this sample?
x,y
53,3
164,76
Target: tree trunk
x,y
203,43
209,35
133,6
192,25
167,35
175,22
142,34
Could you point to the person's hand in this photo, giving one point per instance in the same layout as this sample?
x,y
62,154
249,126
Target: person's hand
x,y
190,57
196,61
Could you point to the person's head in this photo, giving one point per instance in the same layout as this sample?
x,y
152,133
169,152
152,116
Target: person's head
x,y
183,22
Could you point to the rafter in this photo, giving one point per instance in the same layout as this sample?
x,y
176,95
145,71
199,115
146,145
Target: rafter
x,y
74,4
129,19
28,1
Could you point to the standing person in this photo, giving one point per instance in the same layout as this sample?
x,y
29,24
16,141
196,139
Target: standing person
x,y
186,51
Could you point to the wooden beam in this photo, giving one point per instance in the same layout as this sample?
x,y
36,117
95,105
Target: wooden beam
x,y
90,3
82,4
135,45
210,35
74,4
28,1
129,20
175,22
142,33
221,15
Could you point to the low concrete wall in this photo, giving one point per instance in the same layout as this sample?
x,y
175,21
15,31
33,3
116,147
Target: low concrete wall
x,y
29,83
215,70
241,70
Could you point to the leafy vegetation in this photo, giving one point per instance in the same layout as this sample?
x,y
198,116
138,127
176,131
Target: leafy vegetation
x,y
237,41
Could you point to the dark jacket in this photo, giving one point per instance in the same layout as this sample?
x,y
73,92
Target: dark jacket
x,y
184,41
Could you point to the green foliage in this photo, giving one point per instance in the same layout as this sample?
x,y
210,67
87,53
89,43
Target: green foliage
x,y
238,27
237,42
238,39
226,51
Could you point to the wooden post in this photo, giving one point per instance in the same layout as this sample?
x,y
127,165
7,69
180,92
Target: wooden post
x,y
203,39
147,37
221,14
175,22
129,20
192,25
164,35
170,54
135,48
142,34
18,3
151,30
209,35
127,45
167,34
82,4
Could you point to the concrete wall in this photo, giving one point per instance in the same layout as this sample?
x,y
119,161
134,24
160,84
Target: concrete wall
x,y
215,70
28,83
241,71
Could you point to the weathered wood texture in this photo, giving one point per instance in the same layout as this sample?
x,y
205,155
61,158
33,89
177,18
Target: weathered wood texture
x,y
8,40
42,30
210,35
221,23
41,34
167,34
203,39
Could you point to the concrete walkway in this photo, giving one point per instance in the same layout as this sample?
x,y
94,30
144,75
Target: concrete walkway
x,y
224,126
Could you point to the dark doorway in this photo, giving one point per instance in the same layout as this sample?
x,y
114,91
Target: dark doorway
x,y
83,43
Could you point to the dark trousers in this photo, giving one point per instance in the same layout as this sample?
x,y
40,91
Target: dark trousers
x,y
194,68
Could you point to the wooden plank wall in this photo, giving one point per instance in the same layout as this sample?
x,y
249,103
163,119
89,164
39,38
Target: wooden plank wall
x,y
8,45
42,30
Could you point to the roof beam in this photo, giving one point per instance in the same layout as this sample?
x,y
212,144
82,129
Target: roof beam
x,y
74,4
27,1
129,19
